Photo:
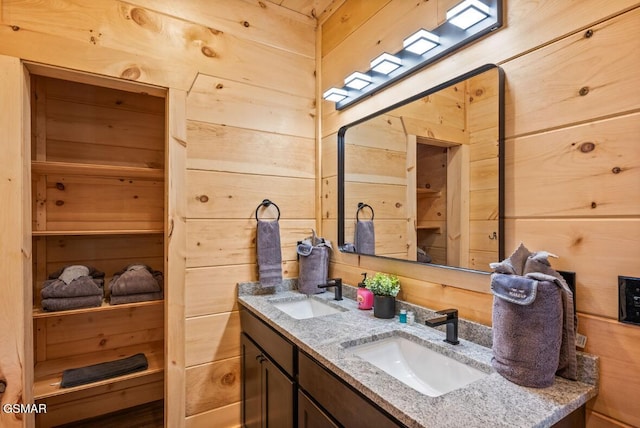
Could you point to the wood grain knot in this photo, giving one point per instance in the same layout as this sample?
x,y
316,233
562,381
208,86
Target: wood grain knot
x,y
479,92
59,203
587,147
593,205
203,198
398,205
131,73
219,86
3,386
246,24
103,342
616,170
15,28
208,52
584,91
144,19
262,5
588,34
60,186
228,379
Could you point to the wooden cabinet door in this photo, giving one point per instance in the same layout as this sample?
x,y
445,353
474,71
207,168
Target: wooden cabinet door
x,y
310,415
251,384
278,392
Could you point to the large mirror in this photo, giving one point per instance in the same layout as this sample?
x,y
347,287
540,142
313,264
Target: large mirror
x,y
422,180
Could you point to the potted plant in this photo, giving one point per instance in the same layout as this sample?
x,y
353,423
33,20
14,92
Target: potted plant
x,y
385,288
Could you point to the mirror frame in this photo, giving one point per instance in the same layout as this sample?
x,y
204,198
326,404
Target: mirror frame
x,y
501,162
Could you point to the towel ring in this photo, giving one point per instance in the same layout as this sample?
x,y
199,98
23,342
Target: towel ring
x,y
265,203
362,205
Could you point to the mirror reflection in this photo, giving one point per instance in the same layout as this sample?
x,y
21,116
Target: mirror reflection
x,y
421,181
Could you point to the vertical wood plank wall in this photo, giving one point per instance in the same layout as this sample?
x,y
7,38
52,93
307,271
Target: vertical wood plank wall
x,y
245,71
248,71
572,156
16,334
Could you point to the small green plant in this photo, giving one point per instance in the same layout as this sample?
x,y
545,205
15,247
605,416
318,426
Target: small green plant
x,y
382,284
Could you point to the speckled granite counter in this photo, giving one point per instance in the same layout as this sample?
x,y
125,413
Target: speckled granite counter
x,y
490,402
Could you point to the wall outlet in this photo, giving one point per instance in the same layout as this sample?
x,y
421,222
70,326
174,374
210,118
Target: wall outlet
x,y
629,299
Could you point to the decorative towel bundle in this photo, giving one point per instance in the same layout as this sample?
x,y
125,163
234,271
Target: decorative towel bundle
x,y
73,287
533,320
135,283
365,235
269,254
313,256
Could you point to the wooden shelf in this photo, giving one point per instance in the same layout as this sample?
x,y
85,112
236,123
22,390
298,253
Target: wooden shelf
x,y
433,226
97,232
39,313
95,170
48,374
421,191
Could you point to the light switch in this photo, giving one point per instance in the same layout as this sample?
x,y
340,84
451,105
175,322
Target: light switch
x,y
629,299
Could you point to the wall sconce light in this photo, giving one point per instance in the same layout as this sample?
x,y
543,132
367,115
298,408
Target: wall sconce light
x,y
469,20
468,13
335,95
385,63
420,42
357,81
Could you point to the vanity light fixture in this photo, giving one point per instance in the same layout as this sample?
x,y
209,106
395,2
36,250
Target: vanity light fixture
x,y
335,95
469,20
357,80
468,13
420,42
385,63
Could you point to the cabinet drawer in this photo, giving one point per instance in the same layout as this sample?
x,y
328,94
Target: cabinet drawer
x,y
347,406
280,350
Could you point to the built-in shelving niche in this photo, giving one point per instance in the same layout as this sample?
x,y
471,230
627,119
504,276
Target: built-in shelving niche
x,y
98,199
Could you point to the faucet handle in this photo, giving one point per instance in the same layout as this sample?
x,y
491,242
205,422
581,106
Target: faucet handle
x,y
450,313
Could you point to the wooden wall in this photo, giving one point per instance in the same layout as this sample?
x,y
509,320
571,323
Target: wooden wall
x,y
572,156
248,71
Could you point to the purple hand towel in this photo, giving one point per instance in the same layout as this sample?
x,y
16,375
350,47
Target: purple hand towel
x,y
269,255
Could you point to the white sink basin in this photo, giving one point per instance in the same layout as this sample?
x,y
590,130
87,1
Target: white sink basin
x,y
307,308
421,368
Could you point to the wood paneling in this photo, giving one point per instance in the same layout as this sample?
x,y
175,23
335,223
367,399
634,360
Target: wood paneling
x,y
252,126
16,353
221,195
571,162
225,148
212,338
213,385
227,416
175,262
618,346
249,20
584,76
222,101
586,170
232,242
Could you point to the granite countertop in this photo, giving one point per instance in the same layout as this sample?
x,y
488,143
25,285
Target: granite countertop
x,y
489,402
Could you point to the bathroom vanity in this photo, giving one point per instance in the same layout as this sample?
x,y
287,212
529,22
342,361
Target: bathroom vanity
x,y
302,370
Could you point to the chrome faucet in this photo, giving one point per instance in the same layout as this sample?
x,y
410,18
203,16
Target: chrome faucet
x,y
450,318
334,282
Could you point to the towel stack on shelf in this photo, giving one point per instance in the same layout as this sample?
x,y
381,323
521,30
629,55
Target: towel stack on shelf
x,y
135,283
73,287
